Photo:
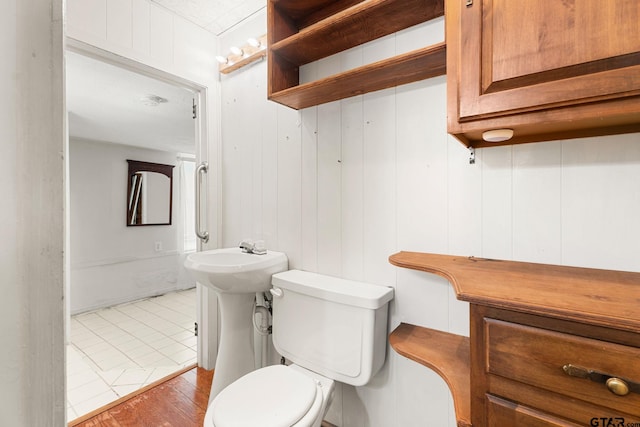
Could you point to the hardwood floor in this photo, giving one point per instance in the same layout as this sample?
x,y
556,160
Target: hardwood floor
x,y
180,401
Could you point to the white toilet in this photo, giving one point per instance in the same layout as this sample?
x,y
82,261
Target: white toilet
x,y
331,329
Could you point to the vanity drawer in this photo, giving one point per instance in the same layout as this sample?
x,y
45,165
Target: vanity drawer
x,y
536,357
502,412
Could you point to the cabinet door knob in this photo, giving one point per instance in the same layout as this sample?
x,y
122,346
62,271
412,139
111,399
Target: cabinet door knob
x,y
617,386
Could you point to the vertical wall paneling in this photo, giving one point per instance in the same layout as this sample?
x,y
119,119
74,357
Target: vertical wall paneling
x,y
147,33
86,20
537,193
161,36
329,184
269,182
329,178
119,24
422,396
379,156
289,185
251,114
309,189
601,202
140,11
379,190
497,209
352,233
186,56
422,167
236,163
464,200
419,36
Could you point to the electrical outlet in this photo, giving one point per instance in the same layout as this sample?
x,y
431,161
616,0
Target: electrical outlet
x,y
158,246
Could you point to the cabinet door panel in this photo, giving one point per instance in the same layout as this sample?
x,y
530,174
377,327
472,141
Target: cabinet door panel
x,y
556,34
533,54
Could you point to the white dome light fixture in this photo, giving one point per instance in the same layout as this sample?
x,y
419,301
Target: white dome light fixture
x,y
497,135
153,100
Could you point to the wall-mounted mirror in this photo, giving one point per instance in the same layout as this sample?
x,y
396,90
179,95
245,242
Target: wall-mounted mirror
x,y
149,193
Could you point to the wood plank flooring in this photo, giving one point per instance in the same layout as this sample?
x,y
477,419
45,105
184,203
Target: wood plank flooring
x,y
177,402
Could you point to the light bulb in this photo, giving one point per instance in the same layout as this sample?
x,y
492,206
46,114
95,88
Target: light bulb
x,y
221,59
236,50
254,42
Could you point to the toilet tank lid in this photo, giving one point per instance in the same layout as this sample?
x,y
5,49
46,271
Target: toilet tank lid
x,y
344,291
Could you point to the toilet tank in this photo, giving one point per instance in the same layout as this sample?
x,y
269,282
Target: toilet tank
x,y
332,326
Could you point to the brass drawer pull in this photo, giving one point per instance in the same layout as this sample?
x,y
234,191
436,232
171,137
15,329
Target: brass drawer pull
x,y
616,385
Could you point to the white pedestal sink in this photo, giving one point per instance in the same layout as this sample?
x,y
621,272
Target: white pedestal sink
x,y
235,277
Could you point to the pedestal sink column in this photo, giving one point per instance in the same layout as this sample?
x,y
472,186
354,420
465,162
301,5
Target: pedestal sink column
x,y
235,276
235,350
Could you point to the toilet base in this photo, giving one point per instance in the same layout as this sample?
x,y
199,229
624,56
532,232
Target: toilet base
x,y
314,415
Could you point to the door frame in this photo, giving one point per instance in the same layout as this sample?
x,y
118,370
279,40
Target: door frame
x,y
206,306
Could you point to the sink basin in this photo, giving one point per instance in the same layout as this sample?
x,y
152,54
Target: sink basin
x,y
233,271
235,277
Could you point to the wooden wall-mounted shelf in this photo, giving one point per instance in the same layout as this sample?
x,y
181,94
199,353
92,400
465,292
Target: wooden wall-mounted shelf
x,y
302,33
449,359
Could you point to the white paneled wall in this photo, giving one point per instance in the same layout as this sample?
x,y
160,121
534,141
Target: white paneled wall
x,y
342,186
110,262
145,32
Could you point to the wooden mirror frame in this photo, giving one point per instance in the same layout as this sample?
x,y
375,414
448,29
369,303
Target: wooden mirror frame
x,y
135,167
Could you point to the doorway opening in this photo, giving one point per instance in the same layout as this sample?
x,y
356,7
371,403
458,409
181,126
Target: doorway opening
x,y
133,306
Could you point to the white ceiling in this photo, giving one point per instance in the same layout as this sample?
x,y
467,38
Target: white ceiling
x,y
215,16
108,103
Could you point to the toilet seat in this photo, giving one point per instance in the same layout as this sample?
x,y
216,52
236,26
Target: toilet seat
x,y
274,396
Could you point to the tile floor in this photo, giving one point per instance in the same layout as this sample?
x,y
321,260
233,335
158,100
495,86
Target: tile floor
x,y
118,350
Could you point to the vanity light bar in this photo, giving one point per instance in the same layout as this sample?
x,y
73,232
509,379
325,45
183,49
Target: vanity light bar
x,y
255,49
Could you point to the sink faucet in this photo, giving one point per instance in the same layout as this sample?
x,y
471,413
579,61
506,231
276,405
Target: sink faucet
x,y
250,247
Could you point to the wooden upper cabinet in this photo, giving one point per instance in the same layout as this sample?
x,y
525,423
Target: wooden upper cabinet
x,y
546,69
300,32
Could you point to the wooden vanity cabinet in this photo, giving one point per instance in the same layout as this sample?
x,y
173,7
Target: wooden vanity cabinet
x,y
548,345
546,69
517,375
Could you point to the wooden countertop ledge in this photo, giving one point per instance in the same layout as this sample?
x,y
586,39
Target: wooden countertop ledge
x,y
600,297
446,354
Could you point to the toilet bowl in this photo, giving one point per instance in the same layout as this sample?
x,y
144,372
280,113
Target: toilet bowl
x,y
275,396
332,329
